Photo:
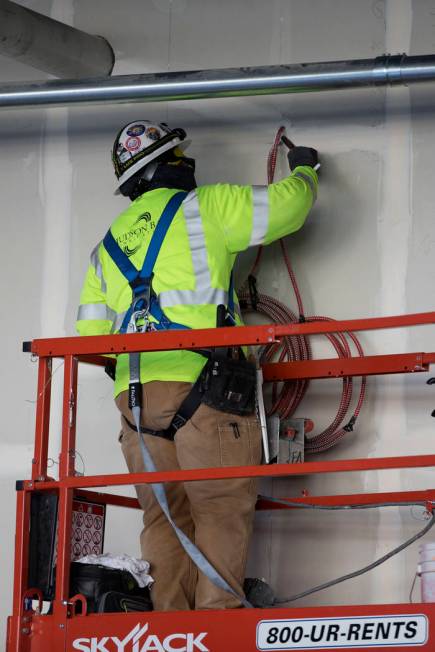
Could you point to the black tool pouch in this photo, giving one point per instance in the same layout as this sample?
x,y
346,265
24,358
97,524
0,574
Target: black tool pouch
x,y
229,385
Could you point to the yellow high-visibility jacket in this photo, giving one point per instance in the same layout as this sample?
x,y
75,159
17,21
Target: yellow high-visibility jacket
x,y
192,271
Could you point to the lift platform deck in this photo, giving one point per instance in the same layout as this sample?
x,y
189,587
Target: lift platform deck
x,y
396,627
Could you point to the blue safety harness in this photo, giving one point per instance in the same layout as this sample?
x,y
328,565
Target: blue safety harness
x,y
145,303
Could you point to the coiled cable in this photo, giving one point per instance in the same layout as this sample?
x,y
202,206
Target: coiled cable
x,y
287,397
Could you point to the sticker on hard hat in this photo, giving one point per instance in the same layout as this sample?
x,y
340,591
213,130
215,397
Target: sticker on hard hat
x,y
136,130
132,143
342,633
153,133
125,156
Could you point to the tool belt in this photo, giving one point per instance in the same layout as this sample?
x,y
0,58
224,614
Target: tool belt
x,y
225,384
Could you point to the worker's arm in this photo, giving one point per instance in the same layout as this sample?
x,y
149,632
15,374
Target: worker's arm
x,y
290,201
94,316
257,215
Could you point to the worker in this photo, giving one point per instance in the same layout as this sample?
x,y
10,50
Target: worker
x,y
190,278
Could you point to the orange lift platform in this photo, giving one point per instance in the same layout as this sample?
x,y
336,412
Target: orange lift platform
x,y
67,627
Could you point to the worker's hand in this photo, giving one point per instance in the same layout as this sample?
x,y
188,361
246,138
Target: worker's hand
x,y
302,156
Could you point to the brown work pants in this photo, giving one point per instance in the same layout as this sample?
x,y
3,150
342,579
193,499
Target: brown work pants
x,y
216,514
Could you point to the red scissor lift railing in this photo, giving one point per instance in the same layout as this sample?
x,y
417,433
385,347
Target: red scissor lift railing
x,y
68,628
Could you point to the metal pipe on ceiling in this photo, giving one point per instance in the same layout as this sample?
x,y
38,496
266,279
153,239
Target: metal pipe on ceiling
x,y
388,70
52,46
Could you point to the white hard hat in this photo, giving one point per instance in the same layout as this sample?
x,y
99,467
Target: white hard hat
x,y
139,143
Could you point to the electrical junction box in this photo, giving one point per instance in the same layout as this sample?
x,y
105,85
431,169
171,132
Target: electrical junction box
x,y
286,440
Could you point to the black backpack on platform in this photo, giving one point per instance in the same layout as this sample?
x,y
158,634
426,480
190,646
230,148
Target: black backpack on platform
x,y
108,589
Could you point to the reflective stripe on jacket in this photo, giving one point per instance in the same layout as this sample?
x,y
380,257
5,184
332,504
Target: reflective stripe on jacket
x,y
192,271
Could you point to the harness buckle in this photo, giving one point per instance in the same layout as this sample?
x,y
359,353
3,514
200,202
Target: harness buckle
x,y
178,422
139,322
142,293
140,305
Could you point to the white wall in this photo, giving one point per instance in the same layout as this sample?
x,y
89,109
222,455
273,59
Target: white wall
x,y
366,250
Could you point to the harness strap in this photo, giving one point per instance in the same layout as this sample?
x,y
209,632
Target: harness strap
x,y
148,431
159,234
186,410
121,259
230,307
144,299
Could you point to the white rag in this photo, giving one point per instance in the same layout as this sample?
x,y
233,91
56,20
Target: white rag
x,y
137,567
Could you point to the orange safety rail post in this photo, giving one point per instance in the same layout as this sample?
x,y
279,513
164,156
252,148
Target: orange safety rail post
x,y
66,470
19,623
39,462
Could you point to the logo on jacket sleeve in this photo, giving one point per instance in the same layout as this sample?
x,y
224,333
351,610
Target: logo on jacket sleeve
x,y
140,640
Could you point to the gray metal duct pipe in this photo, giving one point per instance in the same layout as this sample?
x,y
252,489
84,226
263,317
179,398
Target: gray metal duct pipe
x,y
51,46
229,82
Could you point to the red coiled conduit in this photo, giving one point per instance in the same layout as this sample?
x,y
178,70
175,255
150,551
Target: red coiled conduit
x,y
286,400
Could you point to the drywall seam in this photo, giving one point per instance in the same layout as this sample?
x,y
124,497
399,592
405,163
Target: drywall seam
x,y
394,228
56,197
